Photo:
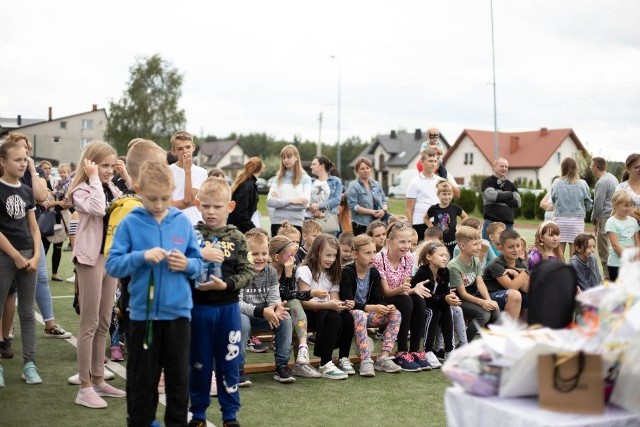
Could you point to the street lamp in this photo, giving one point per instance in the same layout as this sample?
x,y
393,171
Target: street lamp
x,y
339,162
496,147
319,148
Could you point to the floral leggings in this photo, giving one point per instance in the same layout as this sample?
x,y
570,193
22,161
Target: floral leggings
x,y
298,317
363,320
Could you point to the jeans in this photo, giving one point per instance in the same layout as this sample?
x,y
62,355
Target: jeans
x,y
282,333
43,293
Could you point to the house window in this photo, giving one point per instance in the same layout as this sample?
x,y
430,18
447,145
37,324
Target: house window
x,y
468,158
63,125
56,140
84,141
558,157
87,124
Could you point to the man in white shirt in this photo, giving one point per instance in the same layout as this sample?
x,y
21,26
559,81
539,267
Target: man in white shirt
x,y
187,176
421,192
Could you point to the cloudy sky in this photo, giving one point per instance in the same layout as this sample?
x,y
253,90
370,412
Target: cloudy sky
x,y
266,66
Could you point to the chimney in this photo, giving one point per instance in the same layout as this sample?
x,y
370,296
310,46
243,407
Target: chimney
x,y
94,107
544,131
393,134
19,121
515,144
50,113
417,135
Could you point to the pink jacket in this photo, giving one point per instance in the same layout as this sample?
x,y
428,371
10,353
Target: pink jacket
x,y
90,202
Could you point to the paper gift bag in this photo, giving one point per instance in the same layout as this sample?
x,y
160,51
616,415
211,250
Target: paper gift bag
x,y
571,382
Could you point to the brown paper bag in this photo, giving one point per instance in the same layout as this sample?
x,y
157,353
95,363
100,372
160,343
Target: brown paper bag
x,y
571,382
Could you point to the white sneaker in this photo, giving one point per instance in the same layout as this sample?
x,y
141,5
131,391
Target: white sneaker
x,y
346,366
330,371
303,356
366,368
75,379
306,371
71,279
433,360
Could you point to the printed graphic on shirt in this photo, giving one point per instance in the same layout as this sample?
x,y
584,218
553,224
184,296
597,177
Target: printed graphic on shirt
x,y
443,219
16,207
468,279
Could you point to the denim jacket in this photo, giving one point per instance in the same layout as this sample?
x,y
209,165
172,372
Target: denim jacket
x,y
571,200
335,192
358,195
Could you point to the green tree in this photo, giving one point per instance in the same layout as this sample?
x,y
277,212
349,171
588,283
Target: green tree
x,y
149,106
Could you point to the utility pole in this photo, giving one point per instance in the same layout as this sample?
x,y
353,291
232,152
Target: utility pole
x,y
319,147
496,146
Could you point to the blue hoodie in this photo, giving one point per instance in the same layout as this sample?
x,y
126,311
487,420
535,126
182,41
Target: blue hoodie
x,y
138,232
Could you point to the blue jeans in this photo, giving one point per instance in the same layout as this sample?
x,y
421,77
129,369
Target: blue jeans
x,y
43,293
486,224
282,332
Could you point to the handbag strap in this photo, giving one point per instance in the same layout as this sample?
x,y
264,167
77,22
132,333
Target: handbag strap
x,y
567,385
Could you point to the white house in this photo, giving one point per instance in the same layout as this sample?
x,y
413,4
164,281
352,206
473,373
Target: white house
x,y
225,155
532,155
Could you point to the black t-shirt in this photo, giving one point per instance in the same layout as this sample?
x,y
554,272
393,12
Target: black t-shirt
x,y
446,219
15,202
105,219
27,180
496,269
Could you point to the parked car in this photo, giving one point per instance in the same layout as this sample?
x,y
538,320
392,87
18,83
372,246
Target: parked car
x,y
400,184
263,187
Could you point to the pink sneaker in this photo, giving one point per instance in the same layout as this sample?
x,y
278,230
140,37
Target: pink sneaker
x,y
105,390
116,354
89,398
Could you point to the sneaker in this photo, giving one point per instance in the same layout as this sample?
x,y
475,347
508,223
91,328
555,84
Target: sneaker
x,y
11,335
30,374
197,423
56,332
108,375
1,376
244,380
161,388
254,345
5,349
433,360
303,356
231,423
312,338
330,371
75,378
72,279
440,354
105,390
116,354
346,366
283,374
386,364
89,398
306,371
421,359
406,362
366,368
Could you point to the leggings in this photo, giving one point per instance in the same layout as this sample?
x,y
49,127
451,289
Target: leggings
x,y
298,318
333,330
363,320
412,309
439,318
56,256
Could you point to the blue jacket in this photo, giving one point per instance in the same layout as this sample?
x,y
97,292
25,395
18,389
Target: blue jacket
x,y
571,200
358,195
335,193
138,232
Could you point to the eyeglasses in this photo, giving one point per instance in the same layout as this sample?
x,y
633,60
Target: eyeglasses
x,y
434,135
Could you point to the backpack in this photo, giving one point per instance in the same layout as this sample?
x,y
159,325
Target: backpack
x,y
552,293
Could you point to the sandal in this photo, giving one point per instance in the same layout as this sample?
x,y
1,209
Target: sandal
x,y
56,279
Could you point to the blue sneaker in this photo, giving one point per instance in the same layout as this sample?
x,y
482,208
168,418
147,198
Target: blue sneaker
x,y
421,359
30,374
406,362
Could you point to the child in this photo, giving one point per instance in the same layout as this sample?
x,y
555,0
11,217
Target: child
x,y
486,254
215,317
622,231
465,276
290,193
187,176
310,230
434,275
346,253
395,264
493,232
155,246
361,283
92,191
19,250
445,215
282,252
433,142
377,230
546,245
523,249
328,315
291,232
61,204
507,277
262,309
584,261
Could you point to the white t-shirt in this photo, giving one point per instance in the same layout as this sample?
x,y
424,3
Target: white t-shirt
x,y
198,176
323,282
320,193
423,189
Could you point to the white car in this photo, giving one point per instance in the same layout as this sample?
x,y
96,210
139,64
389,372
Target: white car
x,y
399,188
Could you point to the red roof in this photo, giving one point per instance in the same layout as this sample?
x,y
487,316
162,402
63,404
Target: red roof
x,y
530,149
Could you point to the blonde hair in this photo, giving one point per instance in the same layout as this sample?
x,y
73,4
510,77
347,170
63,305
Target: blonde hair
x,y
17,136
256,236
45,162
141,150
277,244
181,136
215,187
287,229
311,226
360,241
298,172
465,234
155,173
251,167
95,151
396,218
621,198
64,166
429,152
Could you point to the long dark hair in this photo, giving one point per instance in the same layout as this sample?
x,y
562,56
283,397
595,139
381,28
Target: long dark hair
x,y
313,258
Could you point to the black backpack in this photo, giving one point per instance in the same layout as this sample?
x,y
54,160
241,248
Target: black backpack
x,y
552,294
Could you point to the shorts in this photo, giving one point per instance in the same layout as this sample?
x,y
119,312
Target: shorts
x,y
501,298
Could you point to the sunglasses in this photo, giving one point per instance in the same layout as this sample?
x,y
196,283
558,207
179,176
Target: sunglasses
x,y
434,135
400,224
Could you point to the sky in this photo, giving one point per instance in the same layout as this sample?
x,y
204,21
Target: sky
x,y
267,66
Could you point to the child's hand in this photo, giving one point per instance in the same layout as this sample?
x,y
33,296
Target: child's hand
x,y
381,309
155,255
288,266
90,168
452,299
177,261
281,311
335,305
319,293
211,253
489,305
187,161
511,273
420,290
271,317
349,304
215,284
121,169
406,286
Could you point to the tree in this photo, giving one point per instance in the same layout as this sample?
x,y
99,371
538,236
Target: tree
x,y
149,106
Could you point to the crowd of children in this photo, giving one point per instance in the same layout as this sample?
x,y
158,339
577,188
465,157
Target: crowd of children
x,y
192,299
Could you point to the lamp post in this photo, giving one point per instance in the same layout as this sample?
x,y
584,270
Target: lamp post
x,y
319,148
339,159
496,147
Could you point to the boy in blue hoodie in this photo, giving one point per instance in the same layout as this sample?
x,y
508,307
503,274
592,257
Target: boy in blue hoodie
x,y
156,246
